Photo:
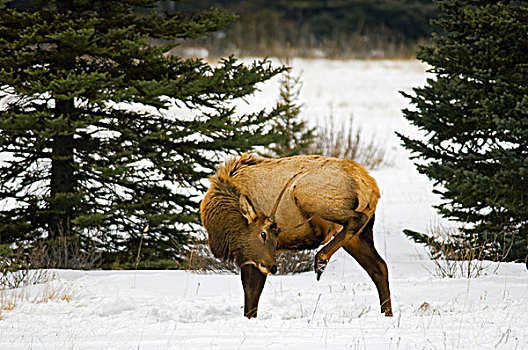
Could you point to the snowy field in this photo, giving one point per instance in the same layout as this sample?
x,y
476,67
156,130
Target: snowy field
x,y
186,310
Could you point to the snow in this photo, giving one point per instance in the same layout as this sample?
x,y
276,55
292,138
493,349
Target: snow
x,y
188,310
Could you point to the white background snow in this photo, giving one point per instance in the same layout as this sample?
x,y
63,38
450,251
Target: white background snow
x,y
186,310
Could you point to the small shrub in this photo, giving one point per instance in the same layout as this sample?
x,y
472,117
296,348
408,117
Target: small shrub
x,y
16,271
200,258
347,141
23,277
454,254
62,253
295,262
16,275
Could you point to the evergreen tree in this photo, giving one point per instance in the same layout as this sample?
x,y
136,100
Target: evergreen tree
x,y
474,114
297,138
103,133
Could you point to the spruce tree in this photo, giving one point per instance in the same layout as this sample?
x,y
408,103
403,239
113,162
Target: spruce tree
x,y
102,132
474,113
297,137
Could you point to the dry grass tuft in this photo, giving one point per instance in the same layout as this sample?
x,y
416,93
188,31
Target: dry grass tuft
x,y
344,140
12,298
17,280
54,292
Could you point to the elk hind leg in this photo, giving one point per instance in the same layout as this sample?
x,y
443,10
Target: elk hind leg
x,y
253,282
361,247
352,226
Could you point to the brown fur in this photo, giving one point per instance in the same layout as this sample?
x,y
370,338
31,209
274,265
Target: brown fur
x,y
234,226
329,189
316,197
222,218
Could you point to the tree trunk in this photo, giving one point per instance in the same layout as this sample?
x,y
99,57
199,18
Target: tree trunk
x,y
62,179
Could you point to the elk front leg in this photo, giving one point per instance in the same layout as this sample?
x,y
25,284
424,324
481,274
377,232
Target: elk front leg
x,y
253,282
353,226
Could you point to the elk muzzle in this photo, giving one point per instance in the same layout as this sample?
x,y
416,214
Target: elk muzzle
x,y
267,269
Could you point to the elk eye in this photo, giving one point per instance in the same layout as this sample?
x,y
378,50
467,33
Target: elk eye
x,y
263,235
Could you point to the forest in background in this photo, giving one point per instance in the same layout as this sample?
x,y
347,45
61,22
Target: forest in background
x,y
317,28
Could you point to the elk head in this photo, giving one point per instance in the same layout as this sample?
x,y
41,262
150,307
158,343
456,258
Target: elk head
x,y
260,241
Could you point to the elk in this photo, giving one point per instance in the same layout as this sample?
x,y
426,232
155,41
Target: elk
x,y
256,207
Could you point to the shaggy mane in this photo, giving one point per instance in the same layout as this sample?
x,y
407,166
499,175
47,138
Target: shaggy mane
x,y
233,165
220,209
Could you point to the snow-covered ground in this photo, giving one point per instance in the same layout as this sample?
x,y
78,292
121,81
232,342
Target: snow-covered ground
x,y
186,310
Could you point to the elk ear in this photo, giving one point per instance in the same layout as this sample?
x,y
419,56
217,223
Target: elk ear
x,y
247,209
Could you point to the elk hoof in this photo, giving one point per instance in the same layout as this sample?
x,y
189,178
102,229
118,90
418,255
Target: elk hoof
x,y
387,312
319,266
319,272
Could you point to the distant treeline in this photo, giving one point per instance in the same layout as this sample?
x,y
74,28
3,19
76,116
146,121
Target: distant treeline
x,y
337,28
310,28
